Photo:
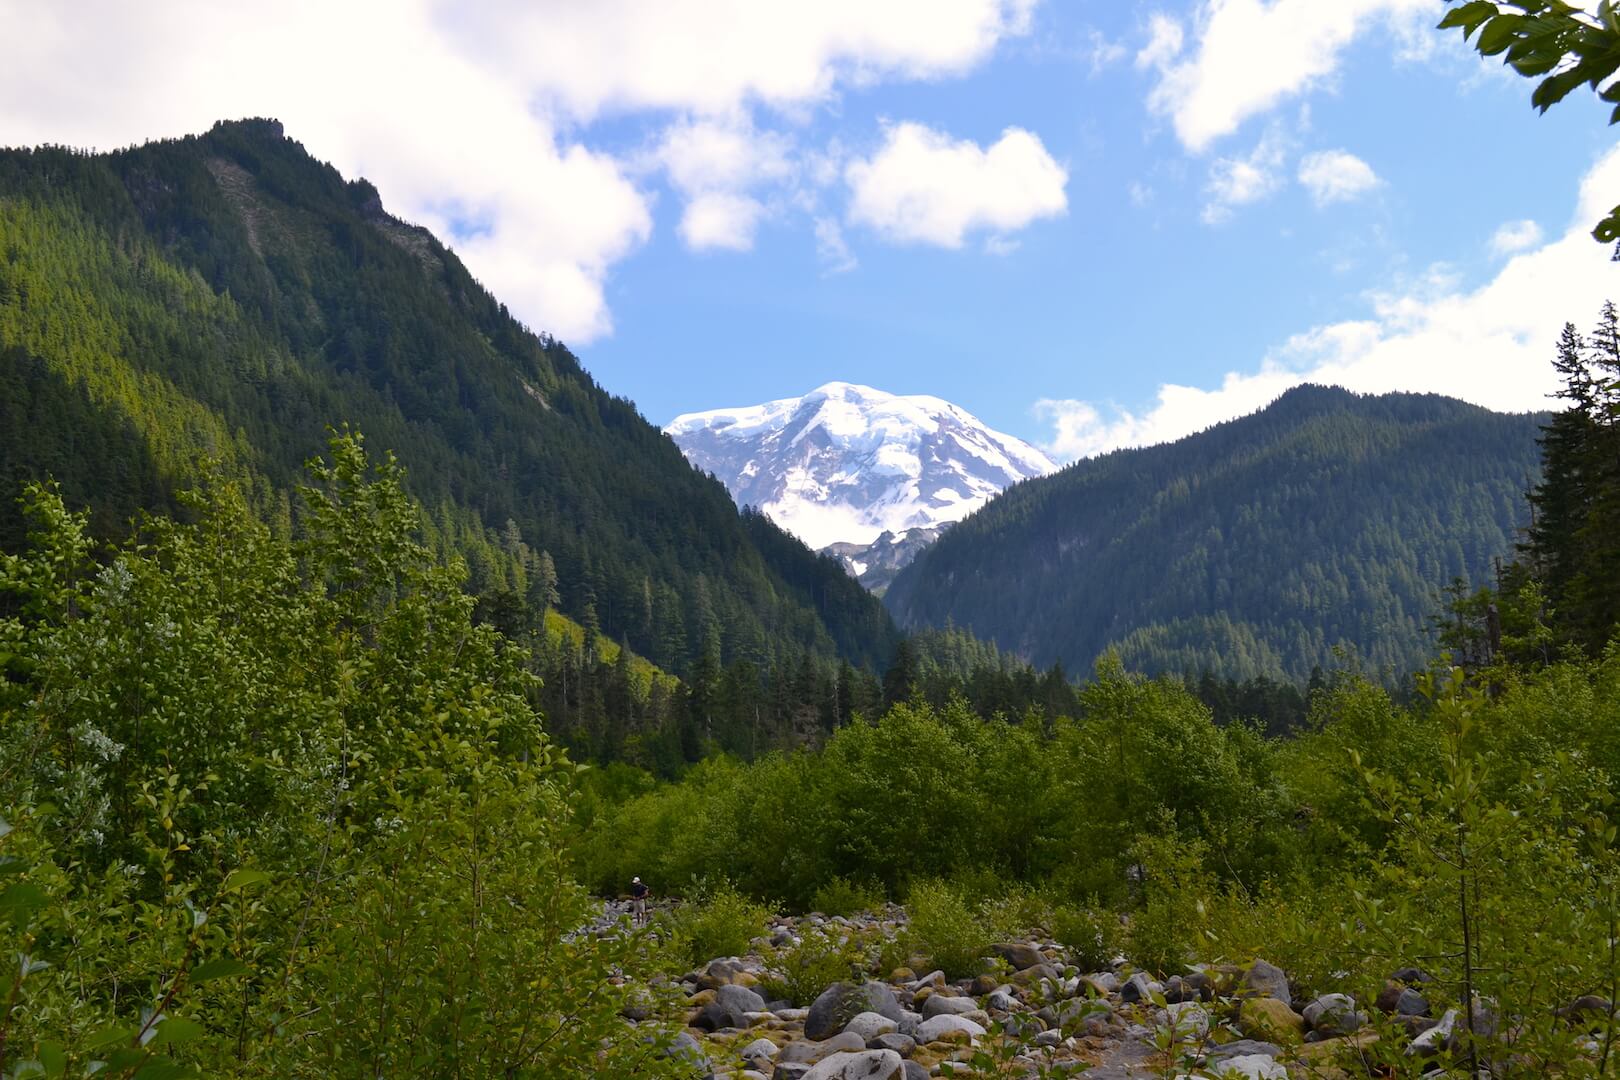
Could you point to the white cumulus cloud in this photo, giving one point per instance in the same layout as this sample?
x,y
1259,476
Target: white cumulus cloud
x,y
1238,181
1515,236
716,163
1250,55
472,112
1491,345
708,56
1165,39
1333,176
922,186
720,219
722,154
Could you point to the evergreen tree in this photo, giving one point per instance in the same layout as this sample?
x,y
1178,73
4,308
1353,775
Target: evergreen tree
x,y
1573,546
901,679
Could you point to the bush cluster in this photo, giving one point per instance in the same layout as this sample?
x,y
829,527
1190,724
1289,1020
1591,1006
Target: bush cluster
x,y
1142,828
278,808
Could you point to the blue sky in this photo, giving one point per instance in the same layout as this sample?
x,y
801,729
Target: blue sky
x,y
1091,223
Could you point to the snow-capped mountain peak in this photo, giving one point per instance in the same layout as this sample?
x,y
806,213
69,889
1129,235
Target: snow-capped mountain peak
x,y
846,463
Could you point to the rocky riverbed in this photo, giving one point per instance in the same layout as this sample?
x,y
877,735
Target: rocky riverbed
x,y
1031,1012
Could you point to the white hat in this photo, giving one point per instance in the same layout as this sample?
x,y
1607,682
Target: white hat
x,y
635,881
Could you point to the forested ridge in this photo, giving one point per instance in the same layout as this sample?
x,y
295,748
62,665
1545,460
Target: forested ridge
x,y
216,302
1266,546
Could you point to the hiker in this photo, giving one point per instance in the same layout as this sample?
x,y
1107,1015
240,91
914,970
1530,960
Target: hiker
x,y
638,902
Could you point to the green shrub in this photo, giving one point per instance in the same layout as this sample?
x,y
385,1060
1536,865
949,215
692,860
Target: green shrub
x,y
892,951
1092,936
1169,923
378,887
840,896
1016,913
945,930
1298,926
717,921
823,956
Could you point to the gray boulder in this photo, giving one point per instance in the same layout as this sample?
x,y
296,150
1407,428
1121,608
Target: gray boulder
x,y
1586,1008
685,1049
940,1005
1334,1014
740,998
900,1044
1136,988
842,1002
1269,980
948,1028
869,1025
730,1008
866,1065
1020,955
1001,1001
1187,1020
811,1052
1243,1048
1429,1043
1250,1067
1411,1003
1074,1012
757,1050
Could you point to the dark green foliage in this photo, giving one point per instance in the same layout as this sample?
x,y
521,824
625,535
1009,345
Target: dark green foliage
x,y
944,930
1256,548
1277,708
1565,46
948,664
278,808
1573,551
227,297
924,793
800,972
715,920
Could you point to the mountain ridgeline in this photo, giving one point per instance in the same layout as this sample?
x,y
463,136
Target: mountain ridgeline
x,y
1326,523
216,302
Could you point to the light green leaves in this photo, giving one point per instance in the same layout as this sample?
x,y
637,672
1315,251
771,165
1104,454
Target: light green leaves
x,y
241,878
223,967
175,1030
19,901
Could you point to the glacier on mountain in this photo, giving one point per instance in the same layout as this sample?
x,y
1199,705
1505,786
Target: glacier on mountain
x,y
845,464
